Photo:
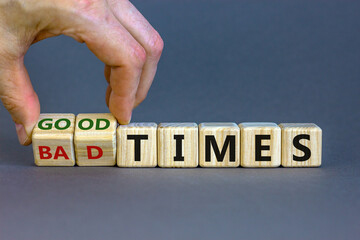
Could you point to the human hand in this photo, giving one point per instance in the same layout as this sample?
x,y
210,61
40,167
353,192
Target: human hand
x,y
114,30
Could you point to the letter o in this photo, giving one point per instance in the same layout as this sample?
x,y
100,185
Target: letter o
x,y
57,124
91,124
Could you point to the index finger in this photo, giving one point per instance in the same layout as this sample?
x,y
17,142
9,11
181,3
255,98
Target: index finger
x,y
116,47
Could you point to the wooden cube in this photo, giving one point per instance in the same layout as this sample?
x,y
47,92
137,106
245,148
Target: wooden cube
x,y
136,145
95,139
301,145
52,140
219,145
260,144
177,145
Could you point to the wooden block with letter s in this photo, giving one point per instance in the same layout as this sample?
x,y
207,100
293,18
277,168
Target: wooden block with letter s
x,y
260,144
301,145
95,139
136,145
177,145
219,145
52,140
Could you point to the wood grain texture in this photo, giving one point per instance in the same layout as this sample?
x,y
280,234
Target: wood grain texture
x,y
147,157
222,133
54,132
248,132
167,144
289,132
95,132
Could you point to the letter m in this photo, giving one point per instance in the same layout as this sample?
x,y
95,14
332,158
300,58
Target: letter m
x,y
211,142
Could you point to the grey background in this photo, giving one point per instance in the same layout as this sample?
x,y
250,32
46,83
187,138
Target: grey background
x,y
279,61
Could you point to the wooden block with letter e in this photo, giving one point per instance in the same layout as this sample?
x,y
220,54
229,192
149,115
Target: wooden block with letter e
x,y
219,145
301,145
52,140
136,143
177,145
95,139
260,144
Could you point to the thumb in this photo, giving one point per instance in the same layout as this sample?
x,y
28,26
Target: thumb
x,y
19,98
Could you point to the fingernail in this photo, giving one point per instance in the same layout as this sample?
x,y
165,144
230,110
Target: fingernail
x,y
22,135
125,122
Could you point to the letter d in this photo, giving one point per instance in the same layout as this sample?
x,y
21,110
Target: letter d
x,y
91,156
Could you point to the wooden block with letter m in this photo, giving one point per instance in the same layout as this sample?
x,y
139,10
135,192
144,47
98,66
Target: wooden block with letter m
x,y
219,145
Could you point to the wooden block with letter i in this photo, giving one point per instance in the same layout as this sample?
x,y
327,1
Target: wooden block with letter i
x,y
136,143
301,145
95,139
177,145
52,140
219,145
260,144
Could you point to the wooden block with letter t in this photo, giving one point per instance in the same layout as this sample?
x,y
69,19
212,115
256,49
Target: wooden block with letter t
x,y
301,145
260,144
177,145
136,143
95,139
219,145
52,140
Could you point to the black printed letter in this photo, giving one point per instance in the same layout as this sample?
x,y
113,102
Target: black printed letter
x,y
259,147
210,141
137,143
298,145
179,156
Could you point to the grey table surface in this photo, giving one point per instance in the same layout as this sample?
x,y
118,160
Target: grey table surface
x,y
237,61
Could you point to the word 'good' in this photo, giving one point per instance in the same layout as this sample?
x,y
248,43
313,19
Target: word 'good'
x,y
97,140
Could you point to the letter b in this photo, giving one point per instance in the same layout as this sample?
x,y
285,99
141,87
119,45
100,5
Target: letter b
x,y
44,152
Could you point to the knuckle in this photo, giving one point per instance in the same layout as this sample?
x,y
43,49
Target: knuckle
x,y
91,11
155,45
138,56
85,5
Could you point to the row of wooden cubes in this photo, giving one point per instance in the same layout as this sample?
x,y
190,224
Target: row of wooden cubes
x,y
97,140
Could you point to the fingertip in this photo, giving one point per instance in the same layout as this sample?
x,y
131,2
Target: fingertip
x,y
121,108
123,119
24,136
